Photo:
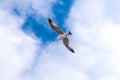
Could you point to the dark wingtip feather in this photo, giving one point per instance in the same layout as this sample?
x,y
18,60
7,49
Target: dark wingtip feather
x,y
72,50
49,20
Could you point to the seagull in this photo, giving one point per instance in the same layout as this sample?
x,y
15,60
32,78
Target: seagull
x,y
61,35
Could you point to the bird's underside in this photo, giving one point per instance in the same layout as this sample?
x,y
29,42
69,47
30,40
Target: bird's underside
x,y
61,35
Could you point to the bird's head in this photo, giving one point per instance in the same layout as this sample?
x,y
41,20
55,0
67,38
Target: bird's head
x,y
69,33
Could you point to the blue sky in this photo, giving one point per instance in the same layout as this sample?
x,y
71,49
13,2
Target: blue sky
x,y
60,9
28,50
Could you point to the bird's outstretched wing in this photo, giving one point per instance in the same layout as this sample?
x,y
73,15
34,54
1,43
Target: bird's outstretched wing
x,y
66,43
55,27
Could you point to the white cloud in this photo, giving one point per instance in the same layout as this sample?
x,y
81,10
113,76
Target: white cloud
x,y
45,8
57,70
109,78
113,11
96,36
58,64
26,7
16,49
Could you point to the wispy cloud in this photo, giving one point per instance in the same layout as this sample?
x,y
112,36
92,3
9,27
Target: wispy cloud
x,y
98,38
18,50
40,7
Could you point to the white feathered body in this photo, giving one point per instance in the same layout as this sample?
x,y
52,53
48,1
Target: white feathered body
x,y
61,37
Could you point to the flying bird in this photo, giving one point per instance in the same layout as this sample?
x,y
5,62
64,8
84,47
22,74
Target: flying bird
x,y
61,35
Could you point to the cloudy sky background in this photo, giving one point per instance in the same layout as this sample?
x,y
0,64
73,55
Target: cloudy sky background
x,y
28,50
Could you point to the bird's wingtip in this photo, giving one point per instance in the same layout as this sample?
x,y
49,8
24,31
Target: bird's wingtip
x,y
72,50
49,20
